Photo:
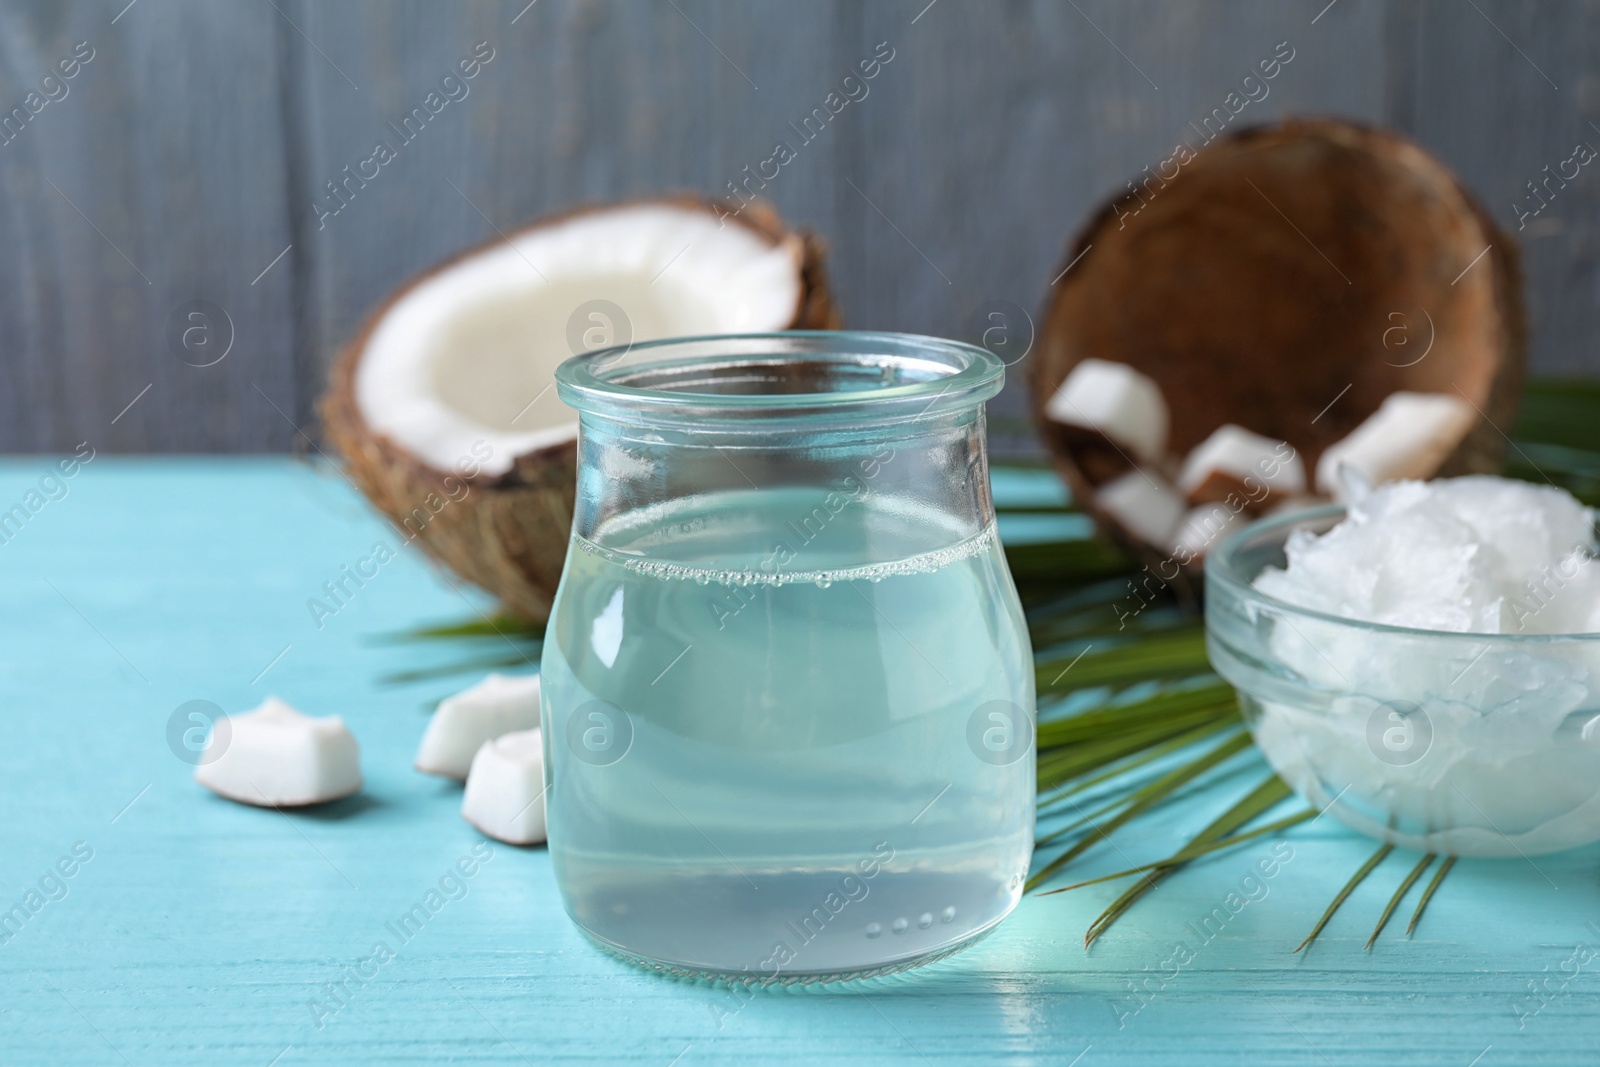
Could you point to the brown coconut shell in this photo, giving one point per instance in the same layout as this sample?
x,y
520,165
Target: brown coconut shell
x,y
1287,279
509,534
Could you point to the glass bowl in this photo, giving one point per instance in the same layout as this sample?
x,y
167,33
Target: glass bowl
x,y
1459,743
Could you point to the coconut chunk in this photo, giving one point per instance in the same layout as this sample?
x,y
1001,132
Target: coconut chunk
x,y
1117,401
505,790
1144,504
278,757
1409,436
497,705
1203,528
1235,461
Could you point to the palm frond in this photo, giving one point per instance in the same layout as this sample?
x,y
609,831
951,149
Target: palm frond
x,y
1176,654
1194,852
1349,887
1399,895
1263,798
1427,894
492,626
1142,800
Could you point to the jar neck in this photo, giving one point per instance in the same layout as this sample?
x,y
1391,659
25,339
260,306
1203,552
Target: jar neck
x,y
934,467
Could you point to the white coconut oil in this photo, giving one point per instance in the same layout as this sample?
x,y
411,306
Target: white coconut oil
x,y
1442,690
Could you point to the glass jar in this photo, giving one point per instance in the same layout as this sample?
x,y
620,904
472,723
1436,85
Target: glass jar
x,y
788,692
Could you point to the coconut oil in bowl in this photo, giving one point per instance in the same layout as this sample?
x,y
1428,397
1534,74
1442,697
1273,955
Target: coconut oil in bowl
x,y
1480,739
788,691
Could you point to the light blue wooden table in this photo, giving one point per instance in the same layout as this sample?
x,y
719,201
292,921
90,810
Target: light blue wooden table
x,y
202,932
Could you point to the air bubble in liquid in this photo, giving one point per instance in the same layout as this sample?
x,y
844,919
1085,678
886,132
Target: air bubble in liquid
x,y
926,563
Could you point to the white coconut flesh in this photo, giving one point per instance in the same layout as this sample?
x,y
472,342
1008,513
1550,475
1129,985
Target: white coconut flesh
x,y
464,361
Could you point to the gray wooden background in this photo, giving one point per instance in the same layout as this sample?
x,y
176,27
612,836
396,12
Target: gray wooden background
x,y
185,161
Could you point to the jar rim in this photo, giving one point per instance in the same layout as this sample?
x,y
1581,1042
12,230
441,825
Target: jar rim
x,y
938,375
1222,570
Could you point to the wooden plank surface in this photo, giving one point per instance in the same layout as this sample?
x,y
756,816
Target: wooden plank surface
x,y
1525,92
198,143
157,181
203,932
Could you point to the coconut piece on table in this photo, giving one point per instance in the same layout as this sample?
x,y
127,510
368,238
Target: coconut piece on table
x,y
277,757
1204,527
1144,504
505,789
497,705
1235,461
1116,401
1409,436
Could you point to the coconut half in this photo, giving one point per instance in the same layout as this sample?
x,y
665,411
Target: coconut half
x,y
444,406
1287,279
